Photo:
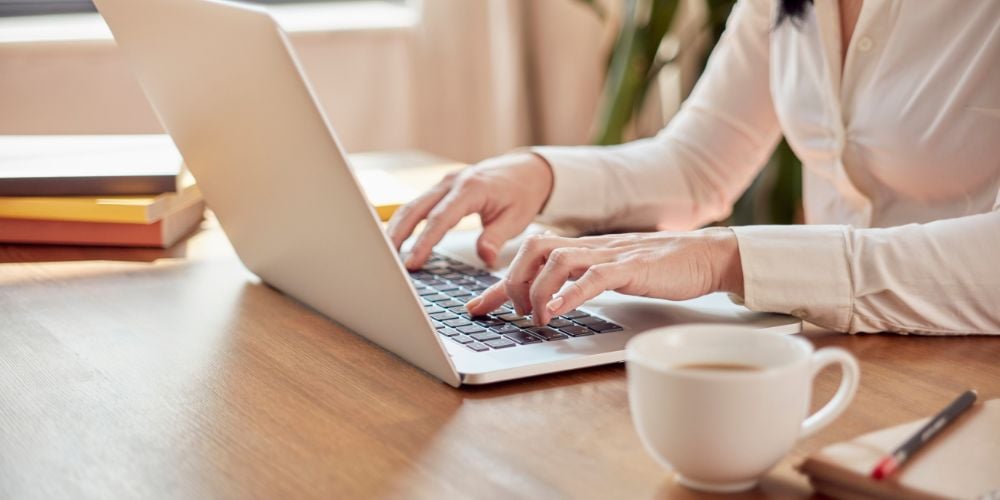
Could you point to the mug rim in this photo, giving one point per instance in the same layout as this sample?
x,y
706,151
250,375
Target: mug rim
x,y
632,356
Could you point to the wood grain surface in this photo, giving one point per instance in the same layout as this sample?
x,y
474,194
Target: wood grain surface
x,y
177,374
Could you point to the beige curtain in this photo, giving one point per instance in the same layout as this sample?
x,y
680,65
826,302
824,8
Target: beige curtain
x,y
470,79
493,75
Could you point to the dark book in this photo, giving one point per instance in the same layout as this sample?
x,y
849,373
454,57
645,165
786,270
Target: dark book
x,y
88,165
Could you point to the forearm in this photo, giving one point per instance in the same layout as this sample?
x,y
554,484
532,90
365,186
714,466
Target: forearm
x,y
693,170
937,278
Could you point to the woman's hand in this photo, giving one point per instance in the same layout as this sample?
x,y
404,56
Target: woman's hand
x,y
507,192
674,266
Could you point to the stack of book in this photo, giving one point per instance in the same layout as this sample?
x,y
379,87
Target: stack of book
x,y
95,190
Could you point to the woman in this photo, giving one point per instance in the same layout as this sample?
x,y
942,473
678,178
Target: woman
x,y
894,109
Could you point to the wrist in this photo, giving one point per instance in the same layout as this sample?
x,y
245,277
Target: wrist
x,y
543,176
727,267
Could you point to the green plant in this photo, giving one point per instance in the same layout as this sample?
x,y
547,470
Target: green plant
x,y
633,65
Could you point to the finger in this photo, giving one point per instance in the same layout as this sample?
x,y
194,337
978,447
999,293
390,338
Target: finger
x,y
406,218
563,264
526,265
488,301
441,218
595,281
495,234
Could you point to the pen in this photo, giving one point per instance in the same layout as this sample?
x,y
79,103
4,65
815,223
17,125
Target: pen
x,y
891,462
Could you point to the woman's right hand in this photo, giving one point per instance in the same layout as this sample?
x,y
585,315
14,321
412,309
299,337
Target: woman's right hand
x,y
507,192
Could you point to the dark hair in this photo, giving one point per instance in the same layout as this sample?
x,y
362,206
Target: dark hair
x,y
792,9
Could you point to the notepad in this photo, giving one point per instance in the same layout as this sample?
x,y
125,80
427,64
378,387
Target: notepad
x,y
95,165
962,462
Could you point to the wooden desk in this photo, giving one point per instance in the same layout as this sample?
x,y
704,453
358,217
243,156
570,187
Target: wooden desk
x,y
176,374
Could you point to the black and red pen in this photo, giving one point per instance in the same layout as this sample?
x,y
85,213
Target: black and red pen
x,y
890,463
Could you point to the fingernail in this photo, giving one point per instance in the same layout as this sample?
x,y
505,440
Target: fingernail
x,y
555,304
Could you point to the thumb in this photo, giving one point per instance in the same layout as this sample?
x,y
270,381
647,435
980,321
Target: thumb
x,y
495,234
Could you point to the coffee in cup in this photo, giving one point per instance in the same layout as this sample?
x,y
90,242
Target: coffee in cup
x,y
722,404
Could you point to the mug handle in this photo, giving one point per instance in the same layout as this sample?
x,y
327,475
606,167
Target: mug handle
x,y
848,386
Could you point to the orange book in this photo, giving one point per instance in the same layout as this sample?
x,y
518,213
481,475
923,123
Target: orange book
x,y
161,234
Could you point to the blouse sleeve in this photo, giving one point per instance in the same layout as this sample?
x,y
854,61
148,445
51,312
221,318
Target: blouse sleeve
x,y
693,170
938,278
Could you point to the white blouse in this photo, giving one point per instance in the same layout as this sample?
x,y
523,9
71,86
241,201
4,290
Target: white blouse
x,y
901,164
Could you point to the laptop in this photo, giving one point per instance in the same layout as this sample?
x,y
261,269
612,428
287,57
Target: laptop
x,y
228,88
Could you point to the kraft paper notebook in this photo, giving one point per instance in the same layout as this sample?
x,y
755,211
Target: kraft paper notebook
x,y
962,462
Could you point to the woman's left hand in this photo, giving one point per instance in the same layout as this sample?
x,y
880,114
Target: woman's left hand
x,y
667,265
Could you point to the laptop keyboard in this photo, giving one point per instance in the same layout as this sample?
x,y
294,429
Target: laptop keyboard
x,y
445,285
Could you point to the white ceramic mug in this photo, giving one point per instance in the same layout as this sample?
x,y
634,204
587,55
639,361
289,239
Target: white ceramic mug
x,y
720,430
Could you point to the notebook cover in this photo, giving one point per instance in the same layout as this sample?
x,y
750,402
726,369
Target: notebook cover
x,y
130,209
962,462
392,179
162,233
99,165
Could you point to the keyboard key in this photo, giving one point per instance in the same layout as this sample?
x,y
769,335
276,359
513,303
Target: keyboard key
x,y
523,323
605,327
487,280
439,326
461,339
476,346
547,333
576,331
448,303
438,271
437,298
426,292
487,322
443,316
575,313
447,288
510,317
589,320
456,322
484,336
431,308
471,329
449,332
505,329
522,337
453,276
500,343
559,323
459,294
459,310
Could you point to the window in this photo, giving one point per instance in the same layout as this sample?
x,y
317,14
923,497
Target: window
x,y
32,7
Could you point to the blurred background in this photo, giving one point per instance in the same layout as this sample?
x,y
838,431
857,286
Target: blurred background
x,y
463,79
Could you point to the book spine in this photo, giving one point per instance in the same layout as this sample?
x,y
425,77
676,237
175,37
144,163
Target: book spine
x,y
89,186
81,233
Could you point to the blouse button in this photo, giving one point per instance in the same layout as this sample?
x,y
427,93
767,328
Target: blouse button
x,y
864,44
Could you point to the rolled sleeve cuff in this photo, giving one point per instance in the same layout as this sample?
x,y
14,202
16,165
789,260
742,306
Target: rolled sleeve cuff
x,y
577,187
798,270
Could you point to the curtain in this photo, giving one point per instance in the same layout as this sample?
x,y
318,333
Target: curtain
x,y
494,75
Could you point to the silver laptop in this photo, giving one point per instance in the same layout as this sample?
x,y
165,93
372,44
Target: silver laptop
x,y
227,86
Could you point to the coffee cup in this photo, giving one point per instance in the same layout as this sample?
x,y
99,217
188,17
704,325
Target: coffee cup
x,y
721,404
